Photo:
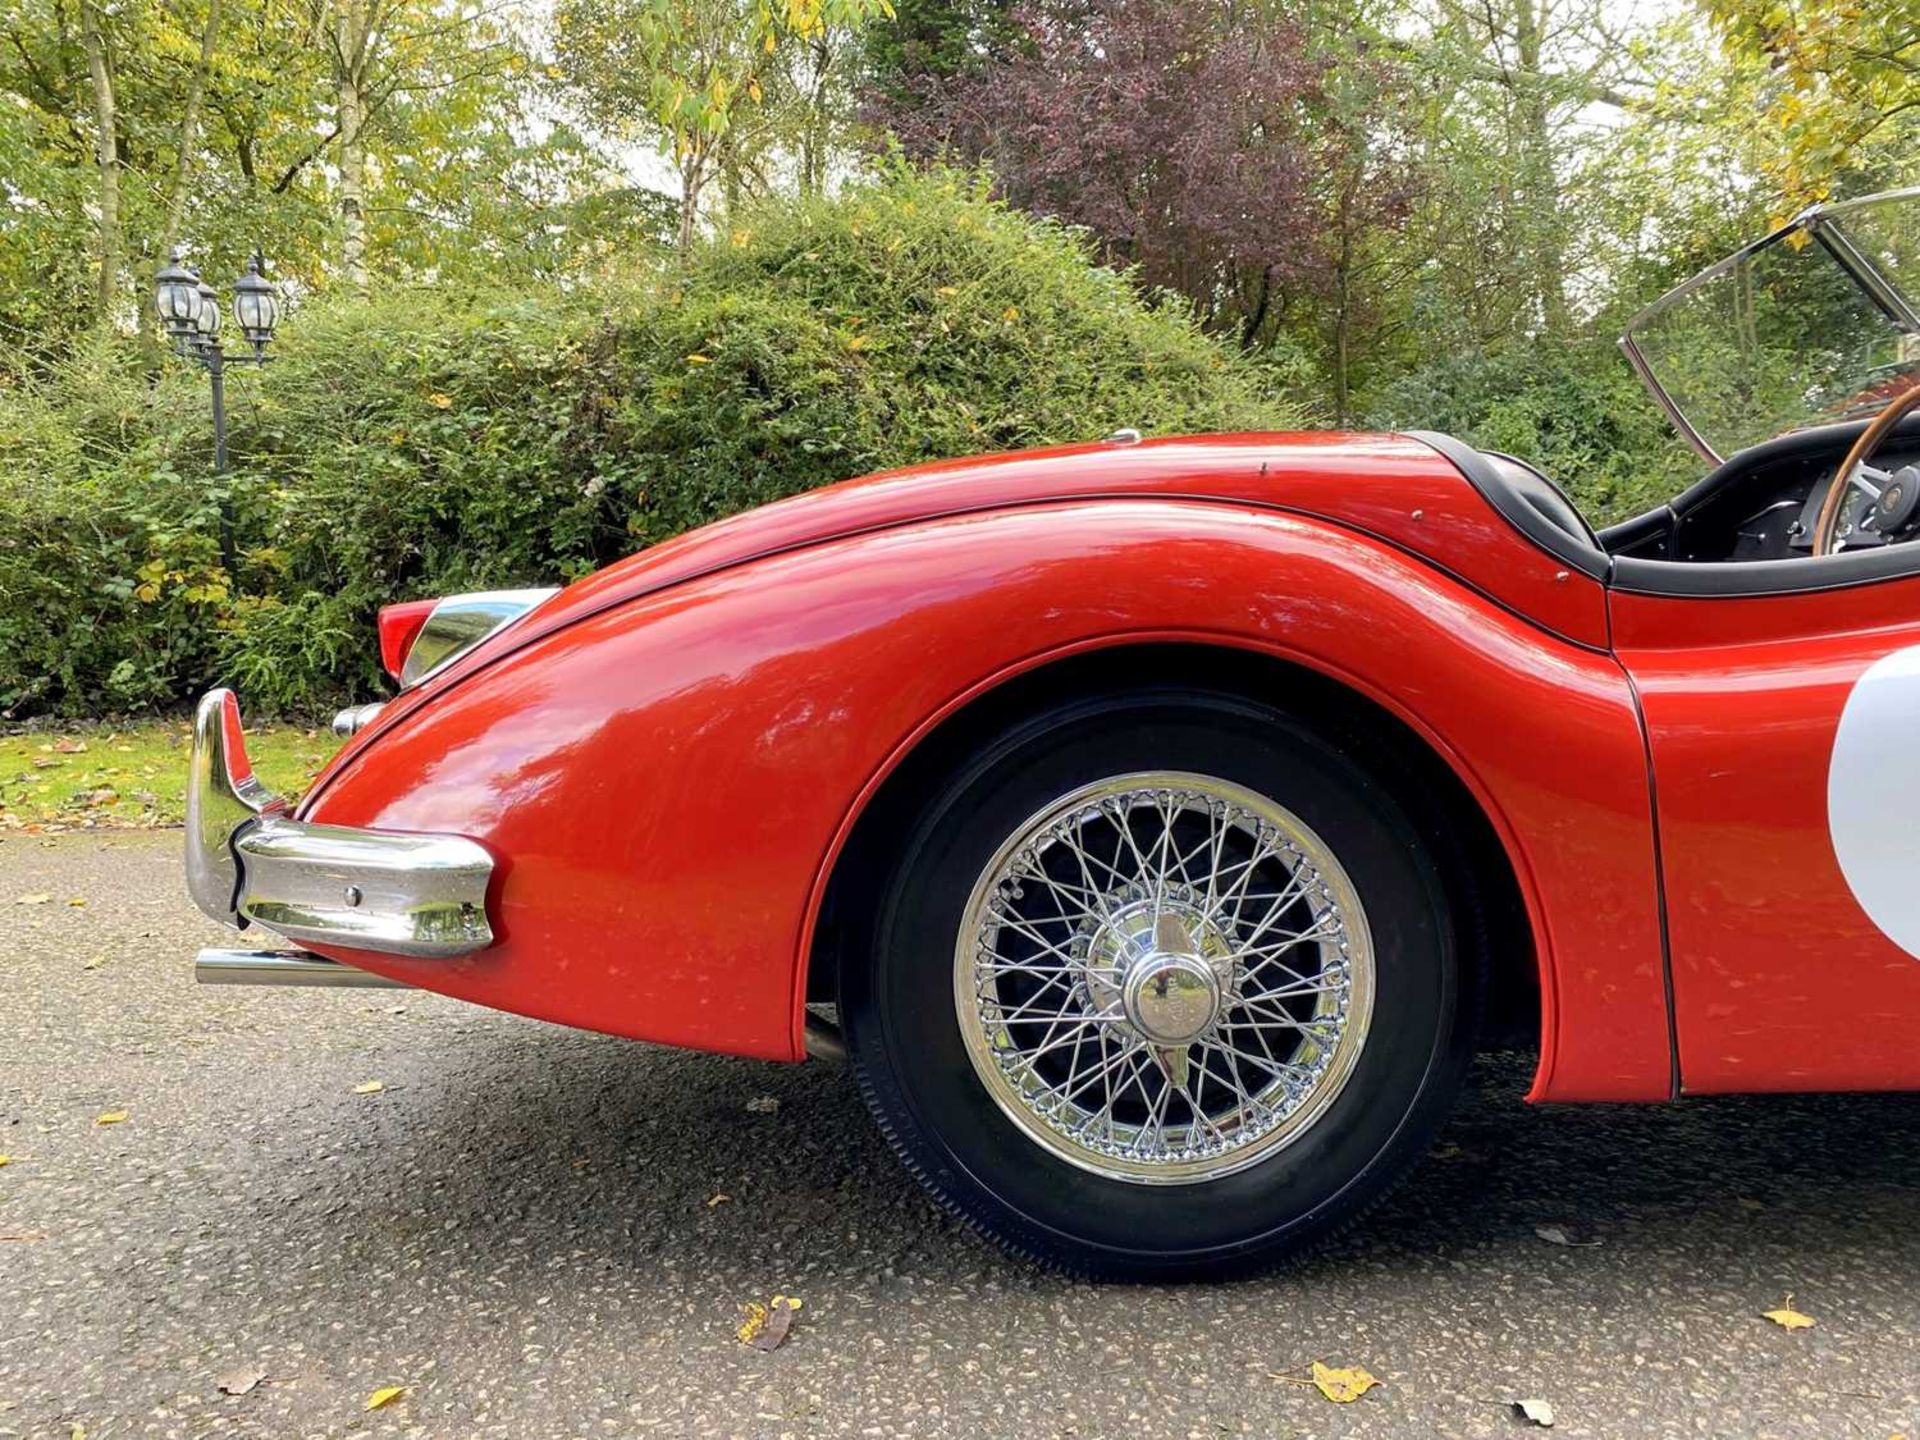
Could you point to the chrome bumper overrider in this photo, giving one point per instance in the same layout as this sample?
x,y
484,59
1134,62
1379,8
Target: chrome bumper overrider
x,y
248,862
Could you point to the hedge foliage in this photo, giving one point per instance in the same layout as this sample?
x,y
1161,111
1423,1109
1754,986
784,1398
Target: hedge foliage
x,y
1575,410
429,442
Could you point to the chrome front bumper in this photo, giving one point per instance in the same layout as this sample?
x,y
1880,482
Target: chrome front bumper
x,y
250,863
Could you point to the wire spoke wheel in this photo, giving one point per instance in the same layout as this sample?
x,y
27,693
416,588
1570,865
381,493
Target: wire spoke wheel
x,y
1164,977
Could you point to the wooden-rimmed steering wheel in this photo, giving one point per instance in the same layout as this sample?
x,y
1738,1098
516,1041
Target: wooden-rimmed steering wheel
x,y
1893,496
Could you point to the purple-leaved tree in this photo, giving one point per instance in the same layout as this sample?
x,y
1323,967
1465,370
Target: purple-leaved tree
x,y
1222,148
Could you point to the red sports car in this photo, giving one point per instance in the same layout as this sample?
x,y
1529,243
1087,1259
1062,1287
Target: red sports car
x,y
1164,822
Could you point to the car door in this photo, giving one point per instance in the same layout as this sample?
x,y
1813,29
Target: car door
x,y
1783,734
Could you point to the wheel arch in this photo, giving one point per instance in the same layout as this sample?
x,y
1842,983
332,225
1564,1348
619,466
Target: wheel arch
x,y
1500,929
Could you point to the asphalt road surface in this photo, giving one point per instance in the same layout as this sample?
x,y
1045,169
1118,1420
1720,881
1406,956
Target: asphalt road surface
x,y
521,1228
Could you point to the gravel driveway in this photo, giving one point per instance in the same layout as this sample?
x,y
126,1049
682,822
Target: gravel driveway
x,y
523,1227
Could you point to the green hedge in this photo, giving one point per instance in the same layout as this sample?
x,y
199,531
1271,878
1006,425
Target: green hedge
x,y
1575,409
428,442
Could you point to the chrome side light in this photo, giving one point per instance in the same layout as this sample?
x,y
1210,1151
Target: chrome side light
x,y
356,718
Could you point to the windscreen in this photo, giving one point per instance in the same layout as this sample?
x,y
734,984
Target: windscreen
x,y
1815,324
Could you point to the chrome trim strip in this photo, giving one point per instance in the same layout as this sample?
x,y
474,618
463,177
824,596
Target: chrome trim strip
x,y
284,967
460,622
380,890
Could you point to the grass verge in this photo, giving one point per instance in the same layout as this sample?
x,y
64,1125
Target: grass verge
x,y
134,775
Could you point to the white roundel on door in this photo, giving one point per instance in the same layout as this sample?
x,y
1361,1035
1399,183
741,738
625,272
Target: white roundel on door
x,y
1873,795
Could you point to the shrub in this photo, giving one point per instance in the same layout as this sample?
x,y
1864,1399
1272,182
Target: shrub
x,y
431,441
1575,410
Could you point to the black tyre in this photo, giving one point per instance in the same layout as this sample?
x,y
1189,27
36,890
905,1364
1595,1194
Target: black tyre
x,y
1159,984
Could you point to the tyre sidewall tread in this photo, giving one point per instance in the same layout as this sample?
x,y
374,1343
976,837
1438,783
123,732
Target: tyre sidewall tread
x,y
911,1061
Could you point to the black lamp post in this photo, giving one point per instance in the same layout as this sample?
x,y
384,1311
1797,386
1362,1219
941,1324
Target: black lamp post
x,y
190,311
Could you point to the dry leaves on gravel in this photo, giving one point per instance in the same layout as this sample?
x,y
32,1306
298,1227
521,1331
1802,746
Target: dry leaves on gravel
x,y
239,1382
1536,1412
36,899
1788,1318
767,1326
112,1117
369,1087
1568,1232
386,1395
1342,1384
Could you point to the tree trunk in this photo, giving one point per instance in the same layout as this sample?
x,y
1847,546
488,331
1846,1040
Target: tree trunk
x,y
1540,186
106,155
177,187
174,221
814,136
352,24
1343,320
693,179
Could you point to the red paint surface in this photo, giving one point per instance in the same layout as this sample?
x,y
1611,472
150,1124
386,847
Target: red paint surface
x,y
1384,485
666,755
1781,981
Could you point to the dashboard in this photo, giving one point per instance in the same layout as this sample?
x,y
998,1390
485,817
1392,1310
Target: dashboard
x,y
1760,504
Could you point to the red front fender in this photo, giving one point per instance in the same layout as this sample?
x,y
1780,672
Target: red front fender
x,y
666,782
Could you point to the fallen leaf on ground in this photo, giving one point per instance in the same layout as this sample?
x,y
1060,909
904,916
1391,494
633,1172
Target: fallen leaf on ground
x,y
1567,1232
77,903
93,964
1342,1384
718,1198
1537,1411
5,1160
39,899
23,1236
70,747
111,1117
385,1396
763,1105
239,1382
767,1326
1788,1318
749,1329
369,1087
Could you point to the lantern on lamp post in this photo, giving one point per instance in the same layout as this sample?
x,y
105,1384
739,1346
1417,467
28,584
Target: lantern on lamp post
x,y
189,309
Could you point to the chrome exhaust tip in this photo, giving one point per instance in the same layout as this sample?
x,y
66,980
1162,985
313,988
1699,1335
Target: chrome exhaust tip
x,y
283,967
